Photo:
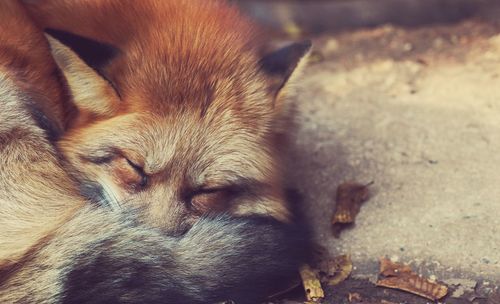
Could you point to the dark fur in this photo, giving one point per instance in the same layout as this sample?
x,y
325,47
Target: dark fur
x,y
220,258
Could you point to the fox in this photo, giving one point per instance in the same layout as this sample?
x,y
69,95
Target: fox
x,y
89,217
181,107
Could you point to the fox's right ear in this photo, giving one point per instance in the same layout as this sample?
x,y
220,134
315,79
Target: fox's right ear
x,y
283,65
82,61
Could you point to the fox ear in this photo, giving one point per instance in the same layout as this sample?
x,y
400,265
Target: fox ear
x,y
94,53
82,61
284,64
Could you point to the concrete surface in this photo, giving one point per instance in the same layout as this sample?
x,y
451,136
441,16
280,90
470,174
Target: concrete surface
x,y
417,112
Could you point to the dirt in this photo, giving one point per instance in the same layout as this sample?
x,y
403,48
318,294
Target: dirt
x,y
416,111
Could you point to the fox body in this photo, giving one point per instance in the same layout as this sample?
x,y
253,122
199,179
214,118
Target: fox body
x,y
166,127
179,109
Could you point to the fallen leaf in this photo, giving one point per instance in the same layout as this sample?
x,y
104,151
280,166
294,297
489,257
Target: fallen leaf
x,y
336,270
400,276
389,268
312,285
350,196
354,297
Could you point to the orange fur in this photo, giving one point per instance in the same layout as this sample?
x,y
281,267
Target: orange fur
x,y
197,141
193,111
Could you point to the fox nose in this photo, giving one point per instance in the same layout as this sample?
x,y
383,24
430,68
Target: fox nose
x,y
173,220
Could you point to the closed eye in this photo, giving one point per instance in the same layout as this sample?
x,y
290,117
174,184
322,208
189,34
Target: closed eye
x,y
211,190
127,173
140,170
213,199
134,165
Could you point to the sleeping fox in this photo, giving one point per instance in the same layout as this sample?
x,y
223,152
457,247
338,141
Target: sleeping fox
x,y
174,131
55,247
178,109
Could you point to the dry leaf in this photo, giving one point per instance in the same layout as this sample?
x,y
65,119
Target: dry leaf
x,y
336,270
349,198
311,283
388,268
354,297
400,276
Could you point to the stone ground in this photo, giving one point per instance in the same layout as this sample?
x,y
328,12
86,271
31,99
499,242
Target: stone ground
x,y
417,112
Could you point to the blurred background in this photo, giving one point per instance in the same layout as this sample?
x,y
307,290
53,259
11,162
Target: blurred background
x,y
302,17
404,94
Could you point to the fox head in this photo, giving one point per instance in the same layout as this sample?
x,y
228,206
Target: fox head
x,y
179,108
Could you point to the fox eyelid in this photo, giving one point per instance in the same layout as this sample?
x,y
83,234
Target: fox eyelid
x,y
230,189
108,157
139,169
101,156
134,165
210,190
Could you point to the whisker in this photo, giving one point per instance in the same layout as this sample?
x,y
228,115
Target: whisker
x,y
108,197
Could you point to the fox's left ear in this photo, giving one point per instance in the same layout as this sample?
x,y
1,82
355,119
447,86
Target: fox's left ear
x,y
83,63
283,65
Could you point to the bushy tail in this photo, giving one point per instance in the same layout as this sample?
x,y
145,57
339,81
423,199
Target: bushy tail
x,y
241,259
220,258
